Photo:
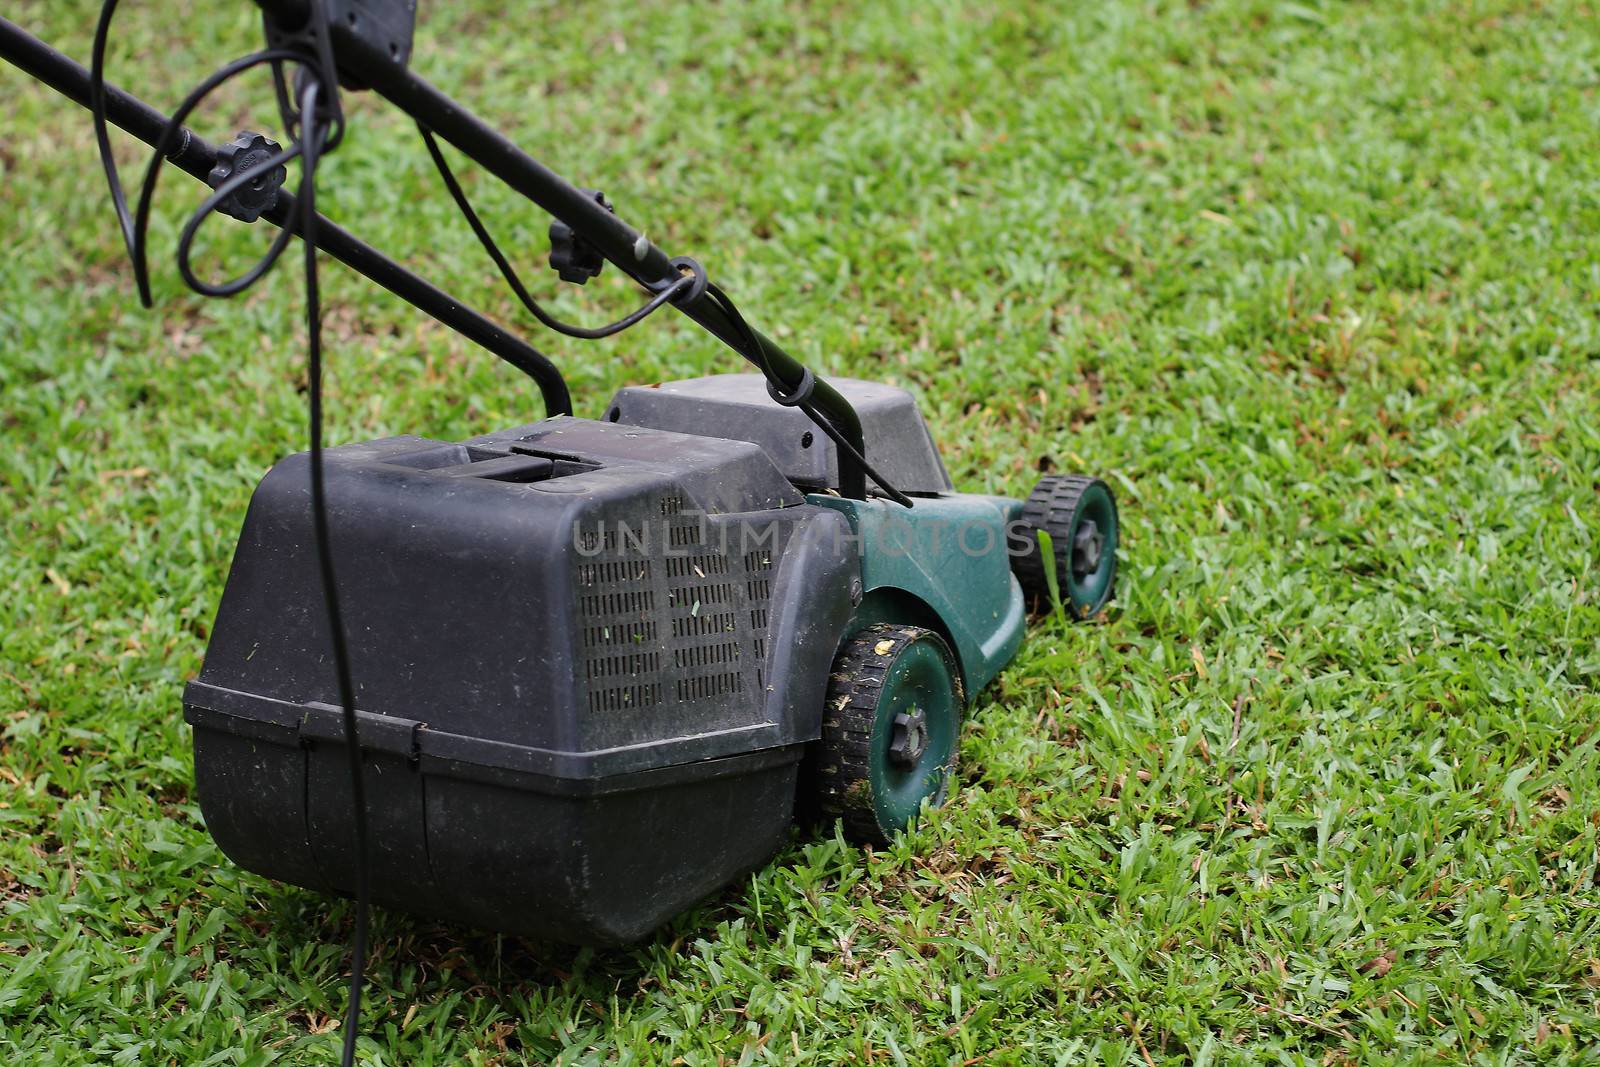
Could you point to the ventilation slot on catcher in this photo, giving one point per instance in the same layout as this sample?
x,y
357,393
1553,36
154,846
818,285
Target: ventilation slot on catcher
x,y
593,542
628,633
706,655
697,597
758,593
700,625
613,571
621,638
624,664
685,536
696,566
625,697
706,686
632,602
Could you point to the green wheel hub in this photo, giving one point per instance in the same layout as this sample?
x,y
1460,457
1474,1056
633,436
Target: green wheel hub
x,y
1093,540
1080,515
890,731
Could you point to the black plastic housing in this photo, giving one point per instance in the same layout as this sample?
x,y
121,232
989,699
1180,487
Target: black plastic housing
x,y
738,407
587,657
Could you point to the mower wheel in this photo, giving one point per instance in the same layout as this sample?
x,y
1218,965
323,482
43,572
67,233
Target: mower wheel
x,y
1080,515
890,730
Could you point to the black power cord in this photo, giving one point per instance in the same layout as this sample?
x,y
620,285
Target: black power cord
x,y
316,126
102,137
670,292
330,589
753,349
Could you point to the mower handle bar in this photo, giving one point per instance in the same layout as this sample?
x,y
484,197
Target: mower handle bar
x,y
364,64
196,157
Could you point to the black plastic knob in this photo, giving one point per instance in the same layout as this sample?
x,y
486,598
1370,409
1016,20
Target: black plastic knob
x,y
248,152
575,259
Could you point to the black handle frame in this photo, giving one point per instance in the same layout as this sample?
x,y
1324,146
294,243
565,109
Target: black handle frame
x,y
363,62
196,157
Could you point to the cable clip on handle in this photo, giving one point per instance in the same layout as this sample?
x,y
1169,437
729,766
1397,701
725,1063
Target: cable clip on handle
x,y
799,396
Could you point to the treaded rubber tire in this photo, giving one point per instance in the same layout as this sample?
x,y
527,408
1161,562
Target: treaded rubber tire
x,y
1054,507
850,721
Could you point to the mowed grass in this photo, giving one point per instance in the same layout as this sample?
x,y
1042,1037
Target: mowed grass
x,y
1314,285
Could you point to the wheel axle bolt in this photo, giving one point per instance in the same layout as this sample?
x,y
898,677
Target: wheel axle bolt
x,y
910,738
1087,544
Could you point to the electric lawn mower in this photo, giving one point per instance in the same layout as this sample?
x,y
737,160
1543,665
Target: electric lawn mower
x,y
568,678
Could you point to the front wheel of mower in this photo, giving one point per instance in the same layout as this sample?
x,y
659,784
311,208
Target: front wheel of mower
x,y
890,731
1080,515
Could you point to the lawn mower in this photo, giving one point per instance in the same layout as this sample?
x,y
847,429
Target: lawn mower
x,y
567,679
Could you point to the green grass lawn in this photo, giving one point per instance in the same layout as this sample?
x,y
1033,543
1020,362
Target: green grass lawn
x,y
1313,285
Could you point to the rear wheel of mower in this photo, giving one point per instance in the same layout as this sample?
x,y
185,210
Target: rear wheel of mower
x,y
890,730
1080,515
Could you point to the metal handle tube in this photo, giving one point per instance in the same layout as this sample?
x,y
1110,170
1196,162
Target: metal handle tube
x,y
196,156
